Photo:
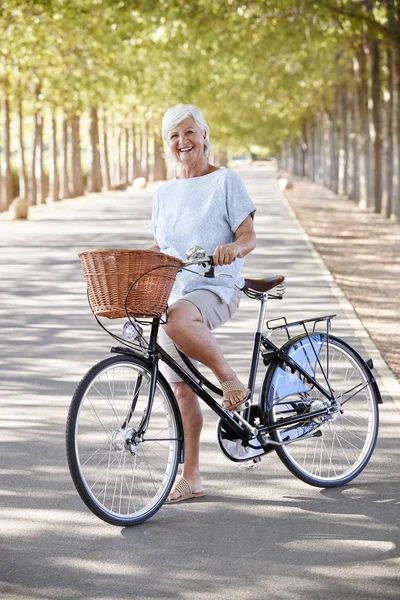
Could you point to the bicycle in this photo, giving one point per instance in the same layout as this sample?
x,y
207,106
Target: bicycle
x,y
317,408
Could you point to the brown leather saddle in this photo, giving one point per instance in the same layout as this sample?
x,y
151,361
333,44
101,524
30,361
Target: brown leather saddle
x,y
263,285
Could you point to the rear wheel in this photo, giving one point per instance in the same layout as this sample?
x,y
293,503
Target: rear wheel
x,y
122,476
331,449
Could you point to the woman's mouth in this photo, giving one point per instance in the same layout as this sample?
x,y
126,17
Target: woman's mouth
x,y
186,149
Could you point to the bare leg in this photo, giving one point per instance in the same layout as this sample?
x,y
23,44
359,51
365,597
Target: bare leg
x,y
192,418
187,330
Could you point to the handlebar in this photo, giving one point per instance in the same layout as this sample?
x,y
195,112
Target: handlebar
x,y
199,257
203,261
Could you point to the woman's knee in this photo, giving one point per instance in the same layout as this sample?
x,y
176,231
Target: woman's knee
x,y
182,392
179,317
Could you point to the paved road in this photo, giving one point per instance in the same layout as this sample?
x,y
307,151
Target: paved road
x,y
257,534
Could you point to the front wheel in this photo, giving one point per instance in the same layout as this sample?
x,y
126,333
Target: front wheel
x,y
331,449
121,474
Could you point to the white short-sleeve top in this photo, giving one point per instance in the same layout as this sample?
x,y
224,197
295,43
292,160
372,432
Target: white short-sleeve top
x,y
206,211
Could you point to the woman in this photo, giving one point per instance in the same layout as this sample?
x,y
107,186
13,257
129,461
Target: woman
x,y
209,207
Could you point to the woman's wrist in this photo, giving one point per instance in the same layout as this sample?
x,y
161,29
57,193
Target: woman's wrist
x,y
244,245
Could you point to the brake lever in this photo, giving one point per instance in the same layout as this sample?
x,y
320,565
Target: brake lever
x,y
211,271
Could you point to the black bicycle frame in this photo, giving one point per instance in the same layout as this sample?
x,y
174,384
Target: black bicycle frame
x,y
239,424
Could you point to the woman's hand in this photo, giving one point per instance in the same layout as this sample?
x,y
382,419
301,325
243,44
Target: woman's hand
x,y
245,242
226,254
155,247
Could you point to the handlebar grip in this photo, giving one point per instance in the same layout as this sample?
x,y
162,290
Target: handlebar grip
x,y
210,274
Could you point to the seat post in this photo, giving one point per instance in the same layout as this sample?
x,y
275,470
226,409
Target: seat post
x,y
261,313
256,349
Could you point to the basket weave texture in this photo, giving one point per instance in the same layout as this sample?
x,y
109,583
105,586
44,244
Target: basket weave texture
x,y
110,273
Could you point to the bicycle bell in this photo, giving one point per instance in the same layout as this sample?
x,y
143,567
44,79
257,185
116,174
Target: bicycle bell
x,y
195,252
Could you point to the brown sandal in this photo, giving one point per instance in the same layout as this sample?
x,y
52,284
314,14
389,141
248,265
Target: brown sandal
x,y
185,490
234,385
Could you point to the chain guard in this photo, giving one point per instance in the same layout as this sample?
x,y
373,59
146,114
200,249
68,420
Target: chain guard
x,y
233,448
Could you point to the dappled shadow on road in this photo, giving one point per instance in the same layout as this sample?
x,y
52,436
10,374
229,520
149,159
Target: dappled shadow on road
x,y
255,533
279,534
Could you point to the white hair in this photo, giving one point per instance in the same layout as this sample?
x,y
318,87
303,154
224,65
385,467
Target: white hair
x,y
178,113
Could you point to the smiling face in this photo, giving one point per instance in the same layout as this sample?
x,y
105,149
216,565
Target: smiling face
x,y
186,142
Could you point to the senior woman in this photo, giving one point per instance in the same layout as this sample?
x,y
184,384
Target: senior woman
x,y
210,207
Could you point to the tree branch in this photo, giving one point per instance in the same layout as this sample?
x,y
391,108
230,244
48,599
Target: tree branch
x,y
365,17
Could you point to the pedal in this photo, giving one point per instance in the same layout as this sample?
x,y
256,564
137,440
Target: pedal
x,y
249,464
246,405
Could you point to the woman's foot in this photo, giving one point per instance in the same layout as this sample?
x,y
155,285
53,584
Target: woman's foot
x,y
235,394
185,489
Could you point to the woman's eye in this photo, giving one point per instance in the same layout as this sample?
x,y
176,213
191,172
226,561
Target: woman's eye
x,y
174,135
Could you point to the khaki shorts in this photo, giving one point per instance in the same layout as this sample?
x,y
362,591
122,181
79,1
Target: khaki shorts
x,y
214,312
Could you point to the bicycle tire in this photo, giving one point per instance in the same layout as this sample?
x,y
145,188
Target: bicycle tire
x,y
123,482
337,447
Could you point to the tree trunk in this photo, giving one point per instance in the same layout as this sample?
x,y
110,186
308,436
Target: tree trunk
x,y
95,182
160,168
119,177
140,153
304,150
312,162
377,121
389,137
366,195
396,197
33,187
54,176
334,146
286,164
137,171
65,189
354,192
296,158
8,181
325,122
318,148
23,176
106,159
40,177
289,156
346,140
147,151
77,178
127,178
2,206
223,158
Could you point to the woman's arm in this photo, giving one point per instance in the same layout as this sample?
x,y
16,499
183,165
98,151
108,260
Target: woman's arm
x,y
244,243
155,247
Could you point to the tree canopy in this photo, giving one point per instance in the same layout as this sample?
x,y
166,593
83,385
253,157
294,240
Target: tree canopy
x,y
256,68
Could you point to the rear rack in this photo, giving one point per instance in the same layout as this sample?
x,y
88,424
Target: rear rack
x,y
286,326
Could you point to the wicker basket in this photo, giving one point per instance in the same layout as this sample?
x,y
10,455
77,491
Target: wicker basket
x,y
110,273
